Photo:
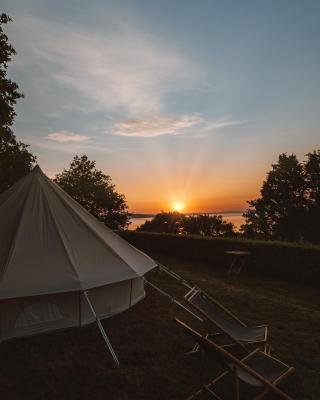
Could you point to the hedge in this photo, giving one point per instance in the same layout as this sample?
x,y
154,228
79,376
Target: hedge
x,y
289,261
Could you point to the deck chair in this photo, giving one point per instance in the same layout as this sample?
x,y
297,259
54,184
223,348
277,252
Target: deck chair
x,y
256,369
225,321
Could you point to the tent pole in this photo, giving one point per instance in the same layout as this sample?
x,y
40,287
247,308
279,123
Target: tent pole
x,y
102,331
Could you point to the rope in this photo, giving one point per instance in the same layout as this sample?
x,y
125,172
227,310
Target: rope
x,y
172,299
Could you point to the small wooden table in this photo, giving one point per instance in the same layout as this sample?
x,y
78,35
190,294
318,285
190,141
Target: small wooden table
x,y
238,261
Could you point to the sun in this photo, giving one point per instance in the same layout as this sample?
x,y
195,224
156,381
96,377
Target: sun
x,y
178,206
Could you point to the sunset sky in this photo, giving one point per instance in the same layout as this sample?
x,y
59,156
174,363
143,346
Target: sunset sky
x,y
178,101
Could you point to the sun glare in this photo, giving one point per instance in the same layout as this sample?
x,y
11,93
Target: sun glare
x,y
177,206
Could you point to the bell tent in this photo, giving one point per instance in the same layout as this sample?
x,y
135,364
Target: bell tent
x,y
52,252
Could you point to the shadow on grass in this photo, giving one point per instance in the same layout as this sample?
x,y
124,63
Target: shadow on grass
x,y
74,364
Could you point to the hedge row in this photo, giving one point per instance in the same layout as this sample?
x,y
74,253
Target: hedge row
x,y
289,261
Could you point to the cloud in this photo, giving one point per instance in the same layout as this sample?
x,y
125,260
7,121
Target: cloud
x,y
66,136
156,126
209,126
120,69
212,125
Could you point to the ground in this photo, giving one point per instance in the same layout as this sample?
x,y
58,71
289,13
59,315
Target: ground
x,y
74,364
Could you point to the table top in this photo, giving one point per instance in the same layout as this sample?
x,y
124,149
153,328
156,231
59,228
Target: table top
x,y
237,252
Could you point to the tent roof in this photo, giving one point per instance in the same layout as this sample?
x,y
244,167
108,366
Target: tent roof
x,y
50,244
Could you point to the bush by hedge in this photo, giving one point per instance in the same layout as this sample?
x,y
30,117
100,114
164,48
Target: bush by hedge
x,y
290,261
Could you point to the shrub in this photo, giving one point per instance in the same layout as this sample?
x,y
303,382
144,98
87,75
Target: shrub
x,y
289,261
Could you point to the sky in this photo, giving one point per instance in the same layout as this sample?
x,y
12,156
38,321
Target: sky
x,y
178,101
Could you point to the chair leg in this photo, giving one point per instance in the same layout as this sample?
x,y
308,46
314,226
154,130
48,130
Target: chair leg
x,y
213,393
236,384
232,266
268,349
208,387
242,265
195,349
262,394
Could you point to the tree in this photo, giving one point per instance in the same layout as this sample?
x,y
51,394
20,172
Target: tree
x,y
95,192
208,225
174,222
289,205
312,178
15,159
165,222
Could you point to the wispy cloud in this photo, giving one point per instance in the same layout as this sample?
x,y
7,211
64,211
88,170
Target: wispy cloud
x,y
222,123
120,70
156,126
210,126
66,136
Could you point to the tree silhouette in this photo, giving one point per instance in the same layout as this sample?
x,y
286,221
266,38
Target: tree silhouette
x,y
208,225
165,222
95,192
312,178
289,204
15,159
174,222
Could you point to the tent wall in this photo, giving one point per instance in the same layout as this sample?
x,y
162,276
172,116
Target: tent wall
x,y
112,299
38,314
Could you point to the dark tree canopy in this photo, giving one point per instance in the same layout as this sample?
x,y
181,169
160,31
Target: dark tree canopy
x,y
15,159
166,222
289,203
208,225
312,178
95,192
174,222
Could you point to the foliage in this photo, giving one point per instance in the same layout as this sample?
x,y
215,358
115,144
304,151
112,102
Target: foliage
x,y
286,260
174,222
289,204
94,191
169,222
15,159
312,179
208,225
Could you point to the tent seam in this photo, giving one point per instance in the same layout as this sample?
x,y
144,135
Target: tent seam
x,y
61,234
91,230
12,247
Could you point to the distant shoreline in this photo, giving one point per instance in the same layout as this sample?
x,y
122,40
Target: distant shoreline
x,y
235,217
140,215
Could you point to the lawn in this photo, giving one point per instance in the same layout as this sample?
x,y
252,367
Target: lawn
x,y
74,364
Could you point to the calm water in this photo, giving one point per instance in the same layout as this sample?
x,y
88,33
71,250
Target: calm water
x,y
235,218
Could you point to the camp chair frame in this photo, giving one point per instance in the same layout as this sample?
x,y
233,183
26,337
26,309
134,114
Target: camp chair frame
x,y
268,386
196,291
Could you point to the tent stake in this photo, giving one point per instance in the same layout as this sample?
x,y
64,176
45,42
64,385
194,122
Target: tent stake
x,y
103,332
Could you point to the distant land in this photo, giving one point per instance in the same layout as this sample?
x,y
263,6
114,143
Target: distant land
x,y
134,215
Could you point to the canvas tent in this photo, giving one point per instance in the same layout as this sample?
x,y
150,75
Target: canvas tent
x,y
51,252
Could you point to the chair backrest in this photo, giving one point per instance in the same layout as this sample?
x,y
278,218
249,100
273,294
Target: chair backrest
x,y
214,311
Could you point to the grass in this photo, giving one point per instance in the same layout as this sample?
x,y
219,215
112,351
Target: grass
x,y
74,364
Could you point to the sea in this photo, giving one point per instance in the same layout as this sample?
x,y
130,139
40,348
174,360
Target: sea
x,y
235,217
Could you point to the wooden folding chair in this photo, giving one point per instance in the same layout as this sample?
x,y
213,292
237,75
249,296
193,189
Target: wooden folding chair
x,y
225,321
256,369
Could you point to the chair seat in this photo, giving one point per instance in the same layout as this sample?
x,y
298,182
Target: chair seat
x,y
266,366
247,333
